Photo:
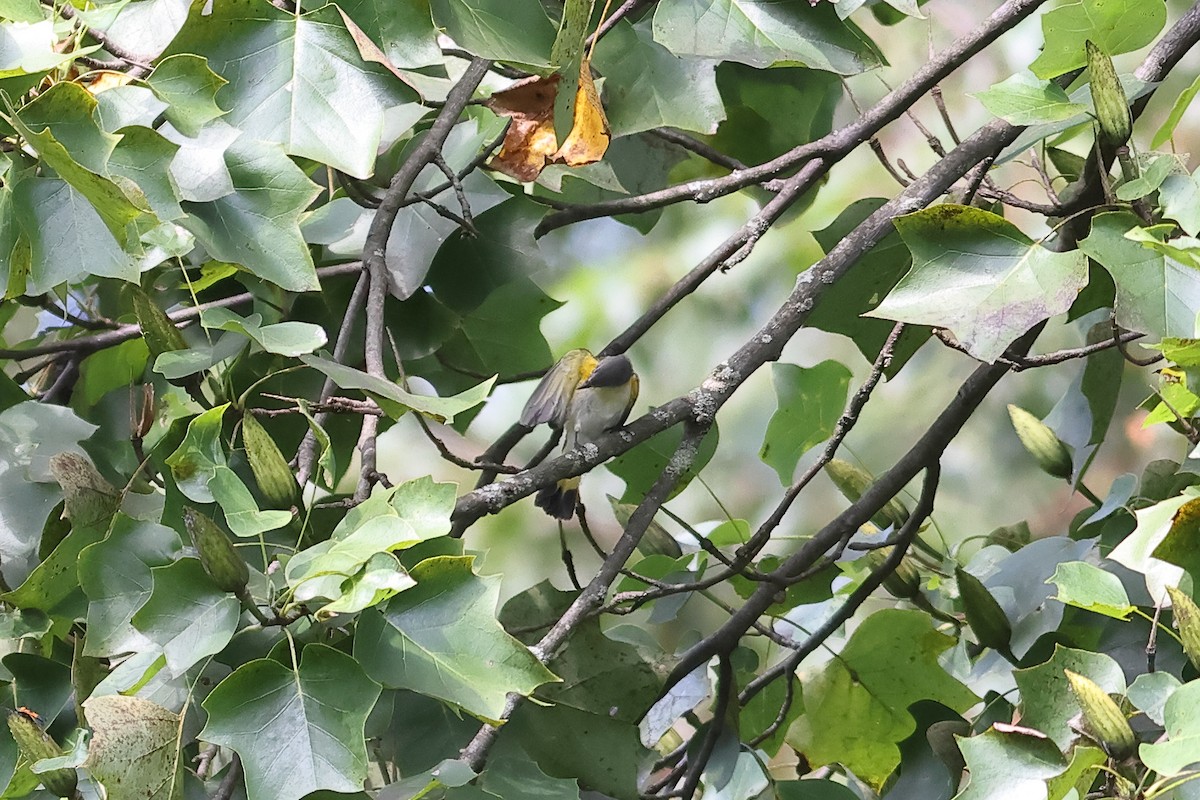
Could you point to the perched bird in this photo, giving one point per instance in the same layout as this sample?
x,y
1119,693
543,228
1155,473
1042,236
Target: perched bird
x,y
584,397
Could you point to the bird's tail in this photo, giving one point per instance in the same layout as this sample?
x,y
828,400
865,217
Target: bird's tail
x,y
559,500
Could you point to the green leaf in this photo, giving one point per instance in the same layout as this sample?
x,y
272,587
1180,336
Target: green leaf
x,y
186,615
1155,525
443,408
196,459
67,237
1115,26
109,369
283,338
297,80
30,434
598,674
1151,177
239,506
1009,765
144,156
683,92
890,662
387,521
1024,100
1181,715
269,195
602,753
1169,125
1086,586
441,638
189,88
513,777
810,401
1150,691
1156,294
53,586
33,48
1179,197
403,27
864,287
116,576
641,466
503,335
770,111
761,34
134,750
979,275
1047,702
498,29
297,730
61,124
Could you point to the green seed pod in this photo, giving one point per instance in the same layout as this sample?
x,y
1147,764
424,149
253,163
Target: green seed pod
x,y
1046,448
853,482
160,333
270,468
217,554
984,614
1112,107
904,582
1187,621
1105,721
35,744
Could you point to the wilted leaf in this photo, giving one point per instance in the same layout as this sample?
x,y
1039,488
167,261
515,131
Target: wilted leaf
x,y
134,751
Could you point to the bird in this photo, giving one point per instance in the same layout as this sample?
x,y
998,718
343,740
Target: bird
x,y
585,397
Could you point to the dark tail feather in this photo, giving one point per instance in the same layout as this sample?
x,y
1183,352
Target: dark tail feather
x,y
558,501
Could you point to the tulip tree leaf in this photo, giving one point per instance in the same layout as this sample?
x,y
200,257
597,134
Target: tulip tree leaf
x,y
810,401
763,33
1025,100
980,276
683,93
1048,703
187,615
189,88
298,730
297,80
1086,586
441,638
498,29
269,194
1181,716
1156,294
890,662
1115,26
440,407
1009,765
404,28
134,750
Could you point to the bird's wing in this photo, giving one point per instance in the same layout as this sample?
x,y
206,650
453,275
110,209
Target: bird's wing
x,y
550,399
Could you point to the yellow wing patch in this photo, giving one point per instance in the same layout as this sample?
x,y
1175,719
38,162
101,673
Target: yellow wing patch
x,y
550,399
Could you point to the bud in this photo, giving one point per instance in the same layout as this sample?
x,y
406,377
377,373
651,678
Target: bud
x,y
1046,448
1187,622
1105,721
270,468
853,482
160,333
35,744
984,614
1112,107
903,582
217,554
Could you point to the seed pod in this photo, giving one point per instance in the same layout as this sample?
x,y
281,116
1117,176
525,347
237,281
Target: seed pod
x,y
160,333
984,614
217,554
1046,448
853,482
270,468
35,744
1105,721
1187,621
903,582
1112,107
